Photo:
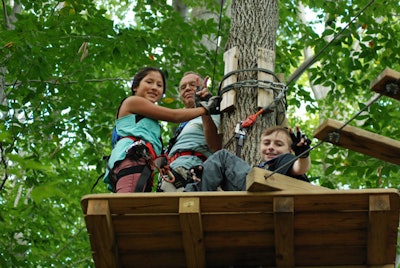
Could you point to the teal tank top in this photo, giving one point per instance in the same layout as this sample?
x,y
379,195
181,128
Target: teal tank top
x,y
146,129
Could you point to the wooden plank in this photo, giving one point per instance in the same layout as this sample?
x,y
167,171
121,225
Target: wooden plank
x,y
149,242
163,259
253,222
359,140
259,180
101,233
331,256
162,223
225,202
254,257
265,60
327,221
231,64
337,238
238,240
284,231
388,76
192,231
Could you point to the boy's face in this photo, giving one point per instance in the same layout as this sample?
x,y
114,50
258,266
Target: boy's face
x,y
274,144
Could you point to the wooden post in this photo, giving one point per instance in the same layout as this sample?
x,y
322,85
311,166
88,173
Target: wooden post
x,y
265,60
231,64
378,230
192,232
284,233
101,233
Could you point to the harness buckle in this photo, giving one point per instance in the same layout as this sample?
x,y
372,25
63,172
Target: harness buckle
x,y
135,143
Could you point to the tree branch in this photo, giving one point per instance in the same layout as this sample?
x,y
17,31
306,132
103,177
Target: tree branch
x,y
4,163
57,82
6,19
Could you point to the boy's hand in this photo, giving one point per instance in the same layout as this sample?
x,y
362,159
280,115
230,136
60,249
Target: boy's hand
x,y
301,144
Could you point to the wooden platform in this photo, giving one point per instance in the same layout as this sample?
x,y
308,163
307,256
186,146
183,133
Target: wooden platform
x,y
386,77
360,140
284,228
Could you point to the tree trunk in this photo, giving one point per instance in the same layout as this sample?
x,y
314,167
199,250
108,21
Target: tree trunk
x,y
253,27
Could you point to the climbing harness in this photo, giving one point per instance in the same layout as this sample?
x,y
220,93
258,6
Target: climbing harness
x,y
179,176
138,150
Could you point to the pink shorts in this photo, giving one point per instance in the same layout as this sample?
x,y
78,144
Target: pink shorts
x,y
127,184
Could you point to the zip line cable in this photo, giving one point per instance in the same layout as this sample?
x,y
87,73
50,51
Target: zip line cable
x,y
313,59
216,46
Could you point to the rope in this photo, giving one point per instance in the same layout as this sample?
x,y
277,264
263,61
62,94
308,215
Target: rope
x,y
246,70
263,84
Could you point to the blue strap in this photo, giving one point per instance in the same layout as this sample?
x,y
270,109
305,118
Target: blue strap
x,y
114,137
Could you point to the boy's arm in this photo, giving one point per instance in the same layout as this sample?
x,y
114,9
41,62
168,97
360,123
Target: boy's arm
x,y
301,166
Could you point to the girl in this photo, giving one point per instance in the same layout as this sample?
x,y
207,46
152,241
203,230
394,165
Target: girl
x,y
130,165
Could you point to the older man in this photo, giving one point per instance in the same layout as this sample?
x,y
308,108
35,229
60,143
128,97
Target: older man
x,y
194,140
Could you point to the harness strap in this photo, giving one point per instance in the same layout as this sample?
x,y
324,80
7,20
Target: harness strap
x,y
144,178
148,145
193,153
130,170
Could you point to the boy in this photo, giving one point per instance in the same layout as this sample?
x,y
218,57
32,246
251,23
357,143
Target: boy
x,y
226,170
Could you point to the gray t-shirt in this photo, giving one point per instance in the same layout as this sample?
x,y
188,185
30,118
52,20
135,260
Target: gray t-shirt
x,y
191,138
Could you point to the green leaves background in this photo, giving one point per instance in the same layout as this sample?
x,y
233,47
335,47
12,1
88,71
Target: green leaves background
x,y
65,67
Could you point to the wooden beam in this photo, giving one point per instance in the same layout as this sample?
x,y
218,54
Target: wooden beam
x,y
101,233
359,140
231,64
265,60
192,232
284,231
388,76
379,231
261,180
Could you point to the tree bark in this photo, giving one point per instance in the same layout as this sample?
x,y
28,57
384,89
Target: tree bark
x,y
253,26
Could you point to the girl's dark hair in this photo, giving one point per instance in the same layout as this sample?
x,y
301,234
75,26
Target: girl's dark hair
x,y
142,73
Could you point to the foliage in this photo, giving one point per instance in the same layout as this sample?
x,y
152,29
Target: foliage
x,y
67,65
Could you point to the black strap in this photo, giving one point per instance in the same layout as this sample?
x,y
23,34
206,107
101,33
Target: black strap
x,y
129,170
143,179
97,181
178,131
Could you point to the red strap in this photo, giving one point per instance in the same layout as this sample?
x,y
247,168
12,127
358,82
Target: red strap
x,y
148,145
178,154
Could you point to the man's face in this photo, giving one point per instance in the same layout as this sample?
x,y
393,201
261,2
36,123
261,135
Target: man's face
x,y
187,89
274,144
